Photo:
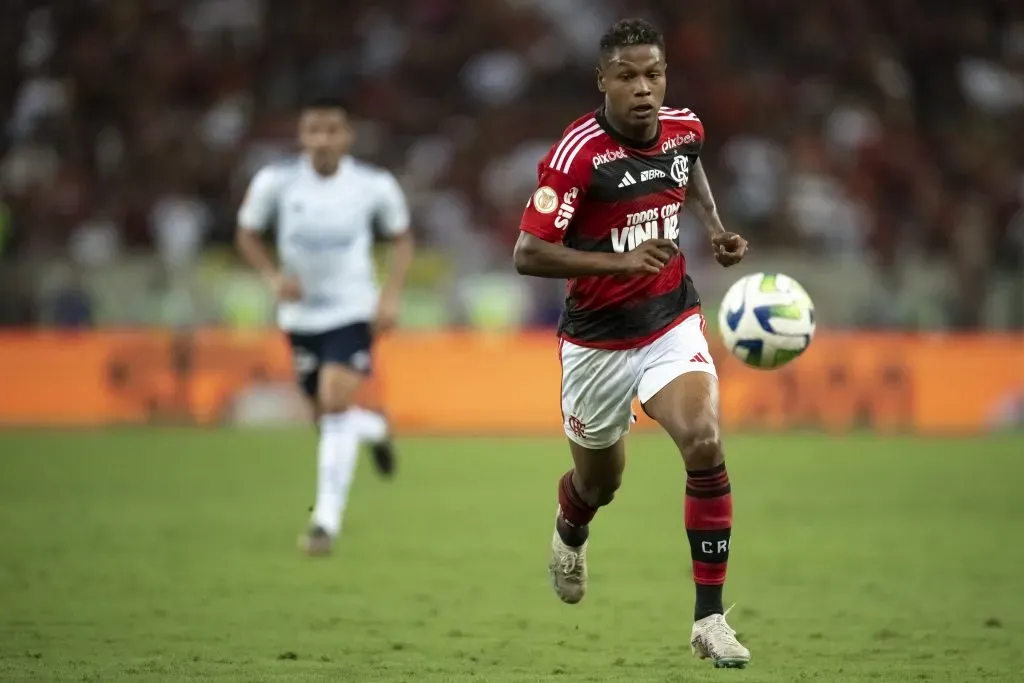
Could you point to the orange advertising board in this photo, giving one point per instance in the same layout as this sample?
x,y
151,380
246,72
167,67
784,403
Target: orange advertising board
x,y
480,383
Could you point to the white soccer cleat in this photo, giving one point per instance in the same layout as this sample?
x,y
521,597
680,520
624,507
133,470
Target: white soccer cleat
x,y
712,638
568,568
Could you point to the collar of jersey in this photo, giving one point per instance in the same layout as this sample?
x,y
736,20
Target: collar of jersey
x,y
602,121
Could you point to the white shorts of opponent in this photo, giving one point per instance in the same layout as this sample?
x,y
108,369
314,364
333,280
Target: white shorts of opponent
x,y
598,385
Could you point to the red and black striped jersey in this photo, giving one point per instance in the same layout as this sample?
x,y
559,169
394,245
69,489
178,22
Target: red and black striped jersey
x,y
596,192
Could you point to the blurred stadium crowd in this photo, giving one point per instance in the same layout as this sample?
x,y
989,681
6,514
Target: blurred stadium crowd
x,y
883,141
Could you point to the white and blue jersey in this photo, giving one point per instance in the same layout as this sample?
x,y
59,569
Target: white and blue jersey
x,y
325,233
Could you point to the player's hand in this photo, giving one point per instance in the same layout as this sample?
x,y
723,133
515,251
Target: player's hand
x,y
650,257
387,315
286,287
729,248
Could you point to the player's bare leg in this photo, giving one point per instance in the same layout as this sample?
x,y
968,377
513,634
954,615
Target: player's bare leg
x,y
687,408
336,456
591,483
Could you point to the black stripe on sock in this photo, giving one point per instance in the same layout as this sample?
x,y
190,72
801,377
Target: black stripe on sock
x,y
709,493
705,474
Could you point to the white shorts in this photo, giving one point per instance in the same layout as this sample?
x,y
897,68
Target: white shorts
x,y
598,385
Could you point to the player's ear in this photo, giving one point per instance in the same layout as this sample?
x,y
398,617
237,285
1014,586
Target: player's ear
x,y
600,79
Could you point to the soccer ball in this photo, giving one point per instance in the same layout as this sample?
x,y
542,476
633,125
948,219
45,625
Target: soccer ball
x,y
766,320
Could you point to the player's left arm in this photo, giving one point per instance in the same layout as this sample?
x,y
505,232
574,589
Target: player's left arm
x,y
393,220
729,247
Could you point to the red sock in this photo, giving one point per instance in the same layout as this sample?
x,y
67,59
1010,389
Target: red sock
x,y
573,513
708,515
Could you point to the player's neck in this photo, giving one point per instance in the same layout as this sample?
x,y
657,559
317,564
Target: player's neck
x,y
636,137
324,169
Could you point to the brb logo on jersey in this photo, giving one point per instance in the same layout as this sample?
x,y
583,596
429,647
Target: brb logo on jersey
x,y
650,224
680,170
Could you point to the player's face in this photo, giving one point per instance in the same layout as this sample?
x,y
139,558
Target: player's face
x,y
324,135
633,80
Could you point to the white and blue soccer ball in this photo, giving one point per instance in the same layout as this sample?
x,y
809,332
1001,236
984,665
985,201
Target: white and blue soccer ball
x,y
766,320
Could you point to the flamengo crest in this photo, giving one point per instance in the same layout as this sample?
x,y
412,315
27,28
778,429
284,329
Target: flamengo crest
x,y
680,170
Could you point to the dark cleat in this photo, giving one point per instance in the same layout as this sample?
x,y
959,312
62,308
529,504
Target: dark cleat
x,y
384,457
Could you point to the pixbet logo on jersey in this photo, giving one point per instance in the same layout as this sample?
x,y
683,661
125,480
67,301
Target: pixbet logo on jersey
x,y
678,141
650,224
609,156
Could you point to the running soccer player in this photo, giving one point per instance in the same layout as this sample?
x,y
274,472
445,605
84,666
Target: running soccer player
x,y
605,216
327,208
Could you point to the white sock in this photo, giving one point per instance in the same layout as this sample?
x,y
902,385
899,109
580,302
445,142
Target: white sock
x,y
372,427
336,468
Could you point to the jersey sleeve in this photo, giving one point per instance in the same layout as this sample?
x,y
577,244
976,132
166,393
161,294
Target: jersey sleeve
x,y
553,204
392,207
260,201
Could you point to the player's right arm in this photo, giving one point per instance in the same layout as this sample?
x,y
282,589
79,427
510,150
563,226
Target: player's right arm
x,y
254,217
540,250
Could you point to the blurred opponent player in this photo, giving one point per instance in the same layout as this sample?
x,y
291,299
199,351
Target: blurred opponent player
x,y
605,216
327,208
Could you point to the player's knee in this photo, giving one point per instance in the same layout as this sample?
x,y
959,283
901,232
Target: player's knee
x,y
598,492
605,494
333,401
701,446
337,389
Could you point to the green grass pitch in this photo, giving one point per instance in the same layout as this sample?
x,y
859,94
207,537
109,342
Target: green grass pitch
x,y
168,555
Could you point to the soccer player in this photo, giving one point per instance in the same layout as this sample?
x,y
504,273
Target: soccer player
x,y
327,208
605,216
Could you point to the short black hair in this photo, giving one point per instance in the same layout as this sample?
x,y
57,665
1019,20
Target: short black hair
x,y
324,101
627,32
